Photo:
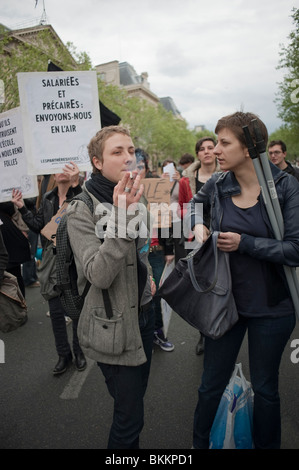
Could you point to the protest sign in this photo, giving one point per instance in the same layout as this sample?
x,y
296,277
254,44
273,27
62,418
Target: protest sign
x,y
50,229
157,193
13,164
170,170
60,113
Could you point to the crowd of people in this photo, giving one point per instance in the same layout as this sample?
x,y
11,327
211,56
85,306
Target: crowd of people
x,y
124,267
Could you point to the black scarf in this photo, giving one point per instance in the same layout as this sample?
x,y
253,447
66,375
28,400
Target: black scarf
x,y
101,188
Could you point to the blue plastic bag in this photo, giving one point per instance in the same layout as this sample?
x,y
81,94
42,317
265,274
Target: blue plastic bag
x,y
232,427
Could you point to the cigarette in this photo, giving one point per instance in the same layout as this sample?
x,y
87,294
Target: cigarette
x,y
131,175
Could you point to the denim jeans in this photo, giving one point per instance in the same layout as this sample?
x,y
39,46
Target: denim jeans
x,y
127,386
267,338
57,314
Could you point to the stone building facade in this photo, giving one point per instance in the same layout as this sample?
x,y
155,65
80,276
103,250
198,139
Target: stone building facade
x,y
123,75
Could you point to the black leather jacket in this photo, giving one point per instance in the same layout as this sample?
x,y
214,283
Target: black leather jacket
x,y
3,257
292,170
282,252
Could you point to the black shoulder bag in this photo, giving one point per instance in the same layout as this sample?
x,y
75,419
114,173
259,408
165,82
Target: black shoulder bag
x,y
199,290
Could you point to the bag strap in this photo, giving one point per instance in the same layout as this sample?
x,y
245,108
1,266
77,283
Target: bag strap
x,y
84,197
173,186
245,384
231,382
214,236
107,304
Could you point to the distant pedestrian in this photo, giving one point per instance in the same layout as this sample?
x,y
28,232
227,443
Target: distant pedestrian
x,y
16,242
3,255
66,186
194,177
186,160
29,267
277,151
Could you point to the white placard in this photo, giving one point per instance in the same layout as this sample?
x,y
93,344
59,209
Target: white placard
x,y
61,113
13,162
170,169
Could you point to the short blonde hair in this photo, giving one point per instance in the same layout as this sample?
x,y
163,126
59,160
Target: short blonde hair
x,y
97,143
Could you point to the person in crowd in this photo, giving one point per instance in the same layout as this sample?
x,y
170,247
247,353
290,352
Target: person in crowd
x,y
15,237
265,307
186,160
3,255
196,174
194,177
277,151
161,252
66,186
144,156
29,272
113,258
177,227
175,179
46,184
142,159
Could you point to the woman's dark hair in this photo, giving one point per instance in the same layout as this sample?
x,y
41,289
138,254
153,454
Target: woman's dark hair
x,y
168,160
186,158
201,141
278,142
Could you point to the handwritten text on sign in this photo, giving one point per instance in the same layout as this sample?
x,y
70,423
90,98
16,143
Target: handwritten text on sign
x,y
61,113
157,193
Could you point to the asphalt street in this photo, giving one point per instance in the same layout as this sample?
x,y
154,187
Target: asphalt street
x,y
74,410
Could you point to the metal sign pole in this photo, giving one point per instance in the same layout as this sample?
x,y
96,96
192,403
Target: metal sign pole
x,y
261,149
271,203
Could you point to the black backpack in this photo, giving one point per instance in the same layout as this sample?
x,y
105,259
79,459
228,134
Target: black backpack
x,y
66,269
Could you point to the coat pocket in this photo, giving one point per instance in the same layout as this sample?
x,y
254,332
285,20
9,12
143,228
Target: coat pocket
x,y
107,336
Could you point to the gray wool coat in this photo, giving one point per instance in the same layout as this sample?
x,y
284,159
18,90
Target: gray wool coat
x,y
108,264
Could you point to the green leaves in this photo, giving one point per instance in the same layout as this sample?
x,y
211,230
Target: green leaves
x,y
157,131
153,128
288,97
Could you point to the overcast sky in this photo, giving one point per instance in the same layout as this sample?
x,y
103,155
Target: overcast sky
x,y
213,57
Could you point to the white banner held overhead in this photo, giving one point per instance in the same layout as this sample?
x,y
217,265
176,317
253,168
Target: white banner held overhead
x,y
13,164
61,113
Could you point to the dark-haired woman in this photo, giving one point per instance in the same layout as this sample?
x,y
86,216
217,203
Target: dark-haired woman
x,y
235,207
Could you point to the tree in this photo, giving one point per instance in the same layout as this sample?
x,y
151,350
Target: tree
x,y
82,58
153,128
288,98
205,133
29,57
